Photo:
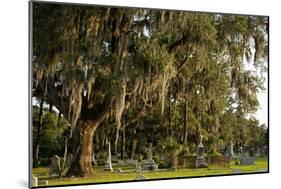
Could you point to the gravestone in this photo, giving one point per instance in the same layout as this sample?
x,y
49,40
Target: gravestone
x,y
200,158
241,150
55,165
120,162
163,158
140,177
108,165
34,181
247,161
132,162
149,154
149,164
69,159
94,159
138,169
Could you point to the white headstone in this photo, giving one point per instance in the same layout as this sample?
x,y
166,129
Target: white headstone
x,y
69,159
200,159
108,165
34,181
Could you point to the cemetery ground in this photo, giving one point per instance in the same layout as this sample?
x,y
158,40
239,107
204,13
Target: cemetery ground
x,y
101,176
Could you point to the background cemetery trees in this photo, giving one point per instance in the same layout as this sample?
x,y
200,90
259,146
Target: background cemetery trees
x,y
144,72
50,138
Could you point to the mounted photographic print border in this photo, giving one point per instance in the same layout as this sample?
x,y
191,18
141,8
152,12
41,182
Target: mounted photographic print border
x,y
128,94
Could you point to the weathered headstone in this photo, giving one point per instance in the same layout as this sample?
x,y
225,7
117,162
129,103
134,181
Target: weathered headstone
x,y
241,149
163,158
140,177
149,154
132,162
55,165
247,161
138,169
34,181
69,158
149,164
120,162
94,159
108,165
200,158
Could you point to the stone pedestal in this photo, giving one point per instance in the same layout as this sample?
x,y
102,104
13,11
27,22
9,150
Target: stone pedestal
x,y
69,158
150,165
34,181
200,159
108,165
231,150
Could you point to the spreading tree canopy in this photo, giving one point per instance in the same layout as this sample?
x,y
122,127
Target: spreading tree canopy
x,y
183,71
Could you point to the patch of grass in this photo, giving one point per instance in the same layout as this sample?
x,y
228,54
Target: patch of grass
x,y
102,176
260,164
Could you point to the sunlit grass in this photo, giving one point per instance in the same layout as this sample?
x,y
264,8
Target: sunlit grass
x,y
102,176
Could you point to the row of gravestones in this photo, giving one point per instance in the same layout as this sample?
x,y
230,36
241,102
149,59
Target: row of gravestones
x,y
54,169
148,165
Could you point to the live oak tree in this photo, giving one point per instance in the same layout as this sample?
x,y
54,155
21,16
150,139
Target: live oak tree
x,y
83,65
127,67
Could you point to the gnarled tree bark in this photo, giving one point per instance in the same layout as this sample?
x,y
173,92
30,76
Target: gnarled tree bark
x,y
82,163
89,121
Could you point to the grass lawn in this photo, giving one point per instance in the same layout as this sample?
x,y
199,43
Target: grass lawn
x,y
102,176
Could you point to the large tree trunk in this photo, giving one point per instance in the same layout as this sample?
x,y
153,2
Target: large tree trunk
x,y
82,139
82,164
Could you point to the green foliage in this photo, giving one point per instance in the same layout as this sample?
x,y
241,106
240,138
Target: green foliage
x,y
171,146
181,78
52,134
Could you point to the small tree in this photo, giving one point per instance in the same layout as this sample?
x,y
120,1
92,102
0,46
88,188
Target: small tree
x,y
171,147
